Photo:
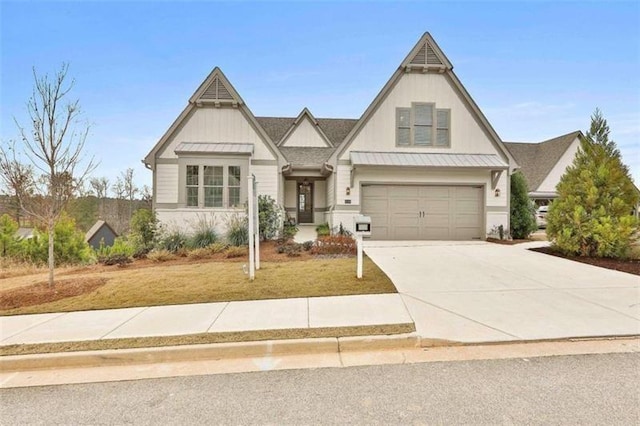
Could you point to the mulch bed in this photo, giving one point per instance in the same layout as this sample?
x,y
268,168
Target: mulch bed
x,y
630,266
41,293
508,242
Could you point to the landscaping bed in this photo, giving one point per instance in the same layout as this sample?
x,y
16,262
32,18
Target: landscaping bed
x,y
631,266
183,280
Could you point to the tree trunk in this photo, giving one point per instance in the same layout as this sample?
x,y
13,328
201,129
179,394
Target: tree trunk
x,y
51,260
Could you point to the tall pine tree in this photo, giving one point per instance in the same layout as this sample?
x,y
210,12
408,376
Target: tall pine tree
x,y
592,215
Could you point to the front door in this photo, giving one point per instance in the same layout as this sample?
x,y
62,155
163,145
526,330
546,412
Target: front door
x,y
305,202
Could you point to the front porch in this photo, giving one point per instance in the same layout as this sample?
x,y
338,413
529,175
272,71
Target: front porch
x,y
305,201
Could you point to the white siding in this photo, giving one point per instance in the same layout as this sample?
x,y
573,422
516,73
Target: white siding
x,y
343,181
208,124
267,179
319,200
331,189
553,178
186,220
500,201
166,183
305,134
379,134
290,195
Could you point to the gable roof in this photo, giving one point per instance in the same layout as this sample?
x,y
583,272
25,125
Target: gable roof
x,y
97,227
335,129
426,55
305,113
216,89
536,160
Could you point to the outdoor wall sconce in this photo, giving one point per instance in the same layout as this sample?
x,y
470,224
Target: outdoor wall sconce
x,y
497,192
348,191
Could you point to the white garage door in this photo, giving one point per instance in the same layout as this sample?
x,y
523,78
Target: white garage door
x,y
403,212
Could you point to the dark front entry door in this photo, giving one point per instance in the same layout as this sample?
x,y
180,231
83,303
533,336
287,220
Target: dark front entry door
x,y
305,202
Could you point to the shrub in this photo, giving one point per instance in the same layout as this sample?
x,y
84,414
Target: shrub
x,y
323,230
144,227
69,246
270,217
307,245
8,241
238,231
118,254
289,230
161,255
335,244
172,241
341,231
205,233
592,214
235,251
217,248
523,221
199,253
291,249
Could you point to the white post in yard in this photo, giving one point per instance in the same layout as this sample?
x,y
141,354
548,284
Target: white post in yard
x,y
359,246
251,218
257,222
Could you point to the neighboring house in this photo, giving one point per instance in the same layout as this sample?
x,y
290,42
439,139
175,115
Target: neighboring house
x,y
100,234
24,233
422,160
544,163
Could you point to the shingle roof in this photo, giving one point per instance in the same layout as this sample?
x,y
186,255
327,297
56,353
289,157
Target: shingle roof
x,y
96,227
426,159
306,156
336,129
536,160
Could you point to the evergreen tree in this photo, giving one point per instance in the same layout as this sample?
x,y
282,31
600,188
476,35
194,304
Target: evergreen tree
x,y
523,221
592,215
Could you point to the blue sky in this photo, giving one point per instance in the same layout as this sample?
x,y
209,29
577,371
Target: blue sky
x,y
536,69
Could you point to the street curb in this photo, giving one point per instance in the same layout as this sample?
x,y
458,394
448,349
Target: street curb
x,y
426,342
213,351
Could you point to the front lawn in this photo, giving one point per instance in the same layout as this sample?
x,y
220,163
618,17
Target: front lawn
x,y
188,282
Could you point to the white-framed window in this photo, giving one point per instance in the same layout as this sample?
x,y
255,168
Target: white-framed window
x,y
423,125
212,185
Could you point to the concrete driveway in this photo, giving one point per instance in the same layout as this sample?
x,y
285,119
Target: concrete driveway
x,y
483,292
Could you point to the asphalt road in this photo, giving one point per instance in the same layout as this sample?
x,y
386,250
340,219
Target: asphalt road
x,y
586,389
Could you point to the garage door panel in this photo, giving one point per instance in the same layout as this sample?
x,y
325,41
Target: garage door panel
x,y
436,207
424,212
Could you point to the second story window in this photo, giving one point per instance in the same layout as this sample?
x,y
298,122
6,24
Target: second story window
x,y
423,125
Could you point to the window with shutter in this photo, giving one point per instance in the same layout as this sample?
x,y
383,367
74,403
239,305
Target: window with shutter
x,y
423,124
403,126
442,127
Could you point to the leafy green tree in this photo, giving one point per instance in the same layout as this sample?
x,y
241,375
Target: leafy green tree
x,y
523,221
270,217
144,227
8,240
69,245
592,215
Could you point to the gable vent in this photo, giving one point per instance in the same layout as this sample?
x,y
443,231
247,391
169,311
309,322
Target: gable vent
x,y
217,90
432,58
419,58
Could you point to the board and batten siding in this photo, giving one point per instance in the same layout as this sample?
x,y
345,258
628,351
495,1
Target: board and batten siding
x,y
267,180
209,124
553,178
305,134
466,134
166,183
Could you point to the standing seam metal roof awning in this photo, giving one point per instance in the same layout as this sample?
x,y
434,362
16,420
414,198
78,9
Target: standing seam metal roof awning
x,y
427,159
214,148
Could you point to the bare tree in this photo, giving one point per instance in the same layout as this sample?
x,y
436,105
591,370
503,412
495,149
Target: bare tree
x,y
53,145
100,187
130,189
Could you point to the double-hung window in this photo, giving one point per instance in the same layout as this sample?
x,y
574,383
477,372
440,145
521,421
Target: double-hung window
x,y
213,186
423,125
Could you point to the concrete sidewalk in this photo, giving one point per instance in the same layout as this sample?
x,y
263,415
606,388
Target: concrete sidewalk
x,y
275,314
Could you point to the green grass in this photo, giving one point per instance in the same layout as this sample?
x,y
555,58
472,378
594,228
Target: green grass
x,y
214,282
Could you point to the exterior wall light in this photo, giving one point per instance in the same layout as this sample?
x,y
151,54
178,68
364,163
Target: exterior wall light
x,y
348,191
497,192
